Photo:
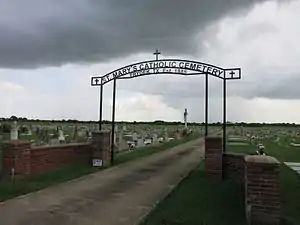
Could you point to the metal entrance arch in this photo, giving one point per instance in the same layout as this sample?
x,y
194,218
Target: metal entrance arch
x,y
166,66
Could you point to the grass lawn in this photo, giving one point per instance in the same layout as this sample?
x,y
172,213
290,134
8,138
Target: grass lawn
x,y
148,150
289,179
10,190
197,201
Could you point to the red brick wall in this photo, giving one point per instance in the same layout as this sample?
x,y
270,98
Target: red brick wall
x,y
262,192
234,166
31,161
213,157
45,159
16,154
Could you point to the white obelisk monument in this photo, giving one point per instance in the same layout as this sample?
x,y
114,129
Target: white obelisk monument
x,y
185,118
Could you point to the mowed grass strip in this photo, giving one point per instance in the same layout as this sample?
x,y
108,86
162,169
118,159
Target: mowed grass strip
x,y
13,189
197,201
289,179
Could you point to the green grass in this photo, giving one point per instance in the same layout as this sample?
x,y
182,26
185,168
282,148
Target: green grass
x,y
13,189
280,151
248,149
290,195
148,150
197,201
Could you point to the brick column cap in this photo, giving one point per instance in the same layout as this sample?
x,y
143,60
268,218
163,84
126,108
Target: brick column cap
x,y
211,137
261,159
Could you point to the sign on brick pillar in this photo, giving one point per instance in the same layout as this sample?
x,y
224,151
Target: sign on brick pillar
x,y
101,146
16,159
262,200
213,157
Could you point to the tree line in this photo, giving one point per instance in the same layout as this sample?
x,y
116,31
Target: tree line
x,y
156,122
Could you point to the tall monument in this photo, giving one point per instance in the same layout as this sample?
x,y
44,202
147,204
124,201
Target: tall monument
x,y
185,114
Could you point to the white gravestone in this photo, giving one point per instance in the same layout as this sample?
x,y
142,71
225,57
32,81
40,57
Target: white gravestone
x,y
61,136
140,143
14,131
82,133
29,133
154,139
166,135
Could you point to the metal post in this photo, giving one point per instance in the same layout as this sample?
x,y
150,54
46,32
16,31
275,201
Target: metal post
x,y
101,107
224,115
113,123
206,105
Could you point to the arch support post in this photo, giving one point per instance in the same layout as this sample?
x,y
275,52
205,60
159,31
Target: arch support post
x,y
206,105
113,123
224,115
101,107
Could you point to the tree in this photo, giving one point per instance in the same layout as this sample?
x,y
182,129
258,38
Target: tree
x,y
13,117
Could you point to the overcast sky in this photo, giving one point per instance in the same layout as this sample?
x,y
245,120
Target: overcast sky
x,y
49,49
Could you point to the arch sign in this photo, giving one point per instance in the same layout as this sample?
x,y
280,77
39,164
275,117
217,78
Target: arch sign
x,y
167,66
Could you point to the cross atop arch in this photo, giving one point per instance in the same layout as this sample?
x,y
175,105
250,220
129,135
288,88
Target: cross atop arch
x,y
156,53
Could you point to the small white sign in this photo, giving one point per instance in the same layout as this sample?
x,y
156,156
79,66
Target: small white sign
x,y
97,162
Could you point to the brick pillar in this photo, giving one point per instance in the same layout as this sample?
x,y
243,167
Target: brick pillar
x,y
213,157
262,200
16,155
101,145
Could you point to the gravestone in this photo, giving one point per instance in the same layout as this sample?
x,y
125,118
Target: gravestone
x,y
134,137
54,142
147,141
14,131
82,133
140,143
121,142
75,134
61,136
124,127
166,135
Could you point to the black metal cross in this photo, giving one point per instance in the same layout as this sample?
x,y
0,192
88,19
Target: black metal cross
x,y
232,73
156,53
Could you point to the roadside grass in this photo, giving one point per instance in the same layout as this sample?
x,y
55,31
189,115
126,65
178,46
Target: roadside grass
x,y
13,189
197,201
149,150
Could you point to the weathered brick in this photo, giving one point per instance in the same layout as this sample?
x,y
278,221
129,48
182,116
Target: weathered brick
x,y
213,157
262,189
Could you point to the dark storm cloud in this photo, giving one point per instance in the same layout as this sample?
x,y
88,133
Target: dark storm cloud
x,y
39,33
285,88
